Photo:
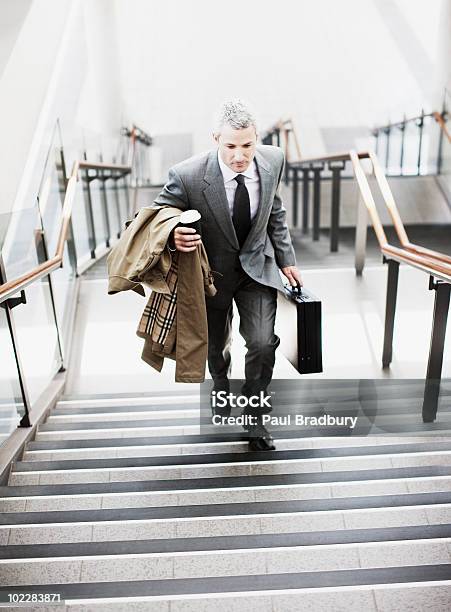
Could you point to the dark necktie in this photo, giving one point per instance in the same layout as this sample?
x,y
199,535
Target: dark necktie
x,y
241,215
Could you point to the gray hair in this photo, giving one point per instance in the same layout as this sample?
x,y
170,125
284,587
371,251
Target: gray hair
x,y
235,113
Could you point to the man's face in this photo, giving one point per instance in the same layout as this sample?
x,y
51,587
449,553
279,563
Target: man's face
x,y
237,147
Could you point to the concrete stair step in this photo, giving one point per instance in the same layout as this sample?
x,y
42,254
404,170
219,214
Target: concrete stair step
x,y
227,542
126,502
206,448
231,457
267,481
222,524
272,584
228,509
257,466
428,430
207,564
95,501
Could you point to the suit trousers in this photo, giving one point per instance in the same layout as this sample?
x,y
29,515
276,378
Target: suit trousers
x,y
256,304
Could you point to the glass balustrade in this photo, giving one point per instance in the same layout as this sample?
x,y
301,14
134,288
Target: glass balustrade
x,y
11,403
114,211
94,199
35,335
50,202
80,216
34,322
124,201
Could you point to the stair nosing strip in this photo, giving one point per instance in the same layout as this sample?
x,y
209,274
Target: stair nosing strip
x,y
226,551
230,584
227,510
188,544
231,458
190,484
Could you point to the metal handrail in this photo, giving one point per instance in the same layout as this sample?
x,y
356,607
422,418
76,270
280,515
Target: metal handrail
x,y
434,263
16,285
382,128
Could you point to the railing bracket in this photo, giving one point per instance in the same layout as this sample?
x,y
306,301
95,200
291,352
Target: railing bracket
x,y
13,302
25,421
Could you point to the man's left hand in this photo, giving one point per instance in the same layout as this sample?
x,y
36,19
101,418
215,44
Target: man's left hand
x,y
293,275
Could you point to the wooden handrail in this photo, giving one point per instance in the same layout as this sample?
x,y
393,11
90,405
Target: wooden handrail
x,y
103,166
396,217
345,156
12,287
388,198
281,126
423,259
442,123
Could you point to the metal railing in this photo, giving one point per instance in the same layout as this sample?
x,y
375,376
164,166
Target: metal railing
x,y
313,171
83,173
394,139
282,134
310,173
437,265
136,144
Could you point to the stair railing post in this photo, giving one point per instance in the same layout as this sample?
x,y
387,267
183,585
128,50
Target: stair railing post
x,y
402,127
305,198
336,168
8,305
390,310
295,195
420,124
435,361
86,180
387,131
361,230
316,168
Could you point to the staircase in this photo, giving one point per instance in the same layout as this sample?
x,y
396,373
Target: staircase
x,y
123,503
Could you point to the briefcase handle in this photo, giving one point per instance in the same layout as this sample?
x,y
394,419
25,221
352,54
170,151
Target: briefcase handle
x,y
294,291
298,289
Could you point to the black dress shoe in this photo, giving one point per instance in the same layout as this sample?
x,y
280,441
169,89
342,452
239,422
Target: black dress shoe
x,y
254,388
259,438
221,384
261,444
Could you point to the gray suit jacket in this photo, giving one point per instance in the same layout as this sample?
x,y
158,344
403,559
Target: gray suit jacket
x,y
198,183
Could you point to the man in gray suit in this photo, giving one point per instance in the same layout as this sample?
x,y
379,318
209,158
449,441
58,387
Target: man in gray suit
x,y
236,190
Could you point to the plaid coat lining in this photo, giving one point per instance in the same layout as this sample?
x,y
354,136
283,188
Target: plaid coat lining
x,y
160,312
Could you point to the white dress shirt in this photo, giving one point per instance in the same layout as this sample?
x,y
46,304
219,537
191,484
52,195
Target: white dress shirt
x,y
251,180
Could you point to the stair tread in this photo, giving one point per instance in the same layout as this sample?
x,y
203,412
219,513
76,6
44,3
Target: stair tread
x,y
230,457
259,582
385,534
230,509
437,430
229,482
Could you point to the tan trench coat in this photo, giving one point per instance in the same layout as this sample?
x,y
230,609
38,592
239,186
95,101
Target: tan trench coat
x,y
141,256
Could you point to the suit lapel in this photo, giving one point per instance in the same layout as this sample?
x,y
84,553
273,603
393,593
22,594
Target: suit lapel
x,y
266,182
217,199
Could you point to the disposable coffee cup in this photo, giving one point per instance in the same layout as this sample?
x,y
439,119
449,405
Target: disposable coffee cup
x,y
191,218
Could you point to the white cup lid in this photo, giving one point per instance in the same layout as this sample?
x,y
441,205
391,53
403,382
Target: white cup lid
x,y
190,216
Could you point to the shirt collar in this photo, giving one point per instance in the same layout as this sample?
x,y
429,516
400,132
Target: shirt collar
x,y
229,174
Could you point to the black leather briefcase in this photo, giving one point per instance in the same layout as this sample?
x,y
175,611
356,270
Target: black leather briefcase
x,y
299,327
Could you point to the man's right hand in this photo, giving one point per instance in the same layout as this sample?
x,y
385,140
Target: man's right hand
x,y
186,239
